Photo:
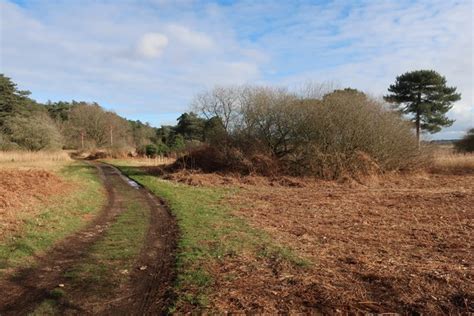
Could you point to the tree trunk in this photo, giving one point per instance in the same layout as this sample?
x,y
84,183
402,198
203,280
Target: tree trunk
x,y
417,123
418,114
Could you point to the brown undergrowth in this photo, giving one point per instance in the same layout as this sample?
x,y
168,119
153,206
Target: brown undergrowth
x,y
401,245
393,243
21,190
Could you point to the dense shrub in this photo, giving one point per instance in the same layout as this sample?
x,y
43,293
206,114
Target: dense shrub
x,y
150,150
466,144
348,133
343,133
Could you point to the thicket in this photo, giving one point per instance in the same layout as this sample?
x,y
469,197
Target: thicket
x,y
269,130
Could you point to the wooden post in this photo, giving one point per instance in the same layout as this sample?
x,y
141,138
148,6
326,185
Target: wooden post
x,y
111,136
82,140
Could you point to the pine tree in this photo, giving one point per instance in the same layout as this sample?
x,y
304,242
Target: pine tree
x,y
424,95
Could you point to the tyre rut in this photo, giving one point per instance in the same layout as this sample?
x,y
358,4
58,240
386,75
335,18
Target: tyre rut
x,y
149,291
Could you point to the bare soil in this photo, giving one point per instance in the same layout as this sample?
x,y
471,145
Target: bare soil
x,y
148,290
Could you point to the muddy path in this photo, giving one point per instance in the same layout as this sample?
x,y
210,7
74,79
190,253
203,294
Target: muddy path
x,y
148,291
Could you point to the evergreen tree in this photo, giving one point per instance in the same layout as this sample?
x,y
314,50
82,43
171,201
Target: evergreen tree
x,y
12,100
424,95
190,126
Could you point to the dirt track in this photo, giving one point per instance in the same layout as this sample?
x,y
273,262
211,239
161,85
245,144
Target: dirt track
x,y
147,292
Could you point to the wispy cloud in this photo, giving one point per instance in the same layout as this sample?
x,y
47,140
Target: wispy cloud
x,y
149,57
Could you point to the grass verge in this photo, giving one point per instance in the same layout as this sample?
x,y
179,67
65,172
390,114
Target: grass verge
x,y
57,218
109,261
209,234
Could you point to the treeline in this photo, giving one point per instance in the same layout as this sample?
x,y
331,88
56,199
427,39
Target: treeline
x,y
30,125
321,131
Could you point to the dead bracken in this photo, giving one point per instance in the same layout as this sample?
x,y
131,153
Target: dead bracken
x,y
21,189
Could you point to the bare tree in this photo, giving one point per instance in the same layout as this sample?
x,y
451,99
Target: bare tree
x,y
221,102
316,90
90,126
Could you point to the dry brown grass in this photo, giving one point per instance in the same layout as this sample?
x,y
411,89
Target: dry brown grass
x,y
33,156
453,163
143,161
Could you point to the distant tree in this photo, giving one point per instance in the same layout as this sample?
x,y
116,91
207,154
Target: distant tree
x,y
223,102
345,91
59,111
466,144
143,134
150,150
214,131
177,143
90,126
12,100
424,95
162,149
268,115
190,126
34,132
23,122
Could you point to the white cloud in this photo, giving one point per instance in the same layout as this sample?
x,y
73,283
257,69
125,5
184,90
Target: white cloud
x,y
88,49
151,45
190,38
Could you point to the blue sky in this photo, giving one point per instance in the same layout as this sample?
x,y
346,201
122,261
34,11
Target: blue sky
x,y
147,59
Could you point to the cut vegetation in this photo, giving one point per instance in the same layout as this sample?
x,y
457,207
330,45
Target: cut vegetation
x,y
212,241
396,244
42,206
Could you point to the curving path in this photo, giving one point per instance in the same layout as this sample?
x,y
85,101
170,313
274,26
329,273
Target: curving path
x,y
148,292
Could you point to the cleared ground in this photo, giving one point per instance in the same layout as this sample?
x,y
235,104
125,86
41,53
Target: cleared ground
x,y
403,245
395,244
235,244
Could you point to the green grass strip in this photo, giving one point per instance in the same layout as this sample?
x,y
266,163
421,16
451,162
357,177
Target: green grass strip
x,y
103,268
209,232
59,217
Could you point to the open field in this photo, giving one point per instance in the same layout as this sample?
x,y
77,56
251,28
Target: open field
x,y
392,243
397,244
454,163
